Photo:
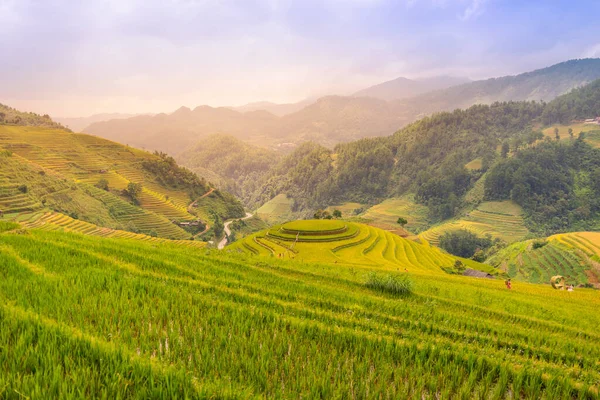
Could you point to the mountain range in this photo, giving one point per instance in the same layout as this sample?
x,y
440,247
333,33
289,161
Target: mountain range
x,y
403,88
337,119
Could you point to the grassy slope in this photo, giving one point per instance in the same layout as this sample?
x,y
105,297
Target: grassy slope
x,y
61,168
502,219
112,318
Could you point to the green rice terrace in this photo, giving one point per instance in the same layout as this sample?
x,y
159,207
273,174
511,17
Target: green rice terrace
x,y
84,316
500,219
576,256
87,178
348,243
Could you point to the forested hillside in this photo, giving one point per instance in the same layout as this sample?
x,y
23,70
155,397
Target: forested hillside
x,y
442,158
557,183
579,104
11,116
236,165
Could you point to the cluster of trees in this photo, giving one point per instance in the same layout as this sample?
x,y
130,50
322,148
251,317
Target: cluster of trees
x,y
169,174
466,244
9,115
324,214
237,166
133,191
557,184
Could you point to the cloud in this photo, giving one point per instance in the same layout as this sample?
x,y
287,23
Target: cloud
x,y
473,10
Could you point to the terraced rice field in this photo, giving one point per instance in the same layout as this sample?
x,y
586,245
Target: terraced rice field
x,y
344,243
563,130
276,210
560,256
475,164
502,220
117,318
52,221
84,160
385,215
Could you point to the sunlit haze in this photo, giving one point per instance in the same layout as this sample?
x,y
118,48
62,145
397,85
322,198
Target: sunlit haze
x,y
76,58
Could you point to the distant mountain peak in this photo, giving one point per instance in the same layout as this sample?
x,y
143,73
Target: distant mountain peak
x,y
403,88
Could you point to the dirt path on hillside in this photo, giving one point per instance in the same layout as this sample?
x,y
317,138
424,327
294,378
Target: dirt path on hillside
x,y
224,241
191,208
193,204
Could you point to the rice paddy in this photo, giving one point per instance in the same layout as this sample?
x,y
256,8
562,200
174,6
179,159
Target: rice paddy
x,y
276,210
385,215
346,243
500,219
61,168
576,256
85,316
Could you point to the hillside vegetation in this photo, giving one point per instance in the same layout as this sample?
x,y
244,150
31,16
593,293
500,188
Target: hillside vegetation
x,y
11,116
100,182
450,162
123,318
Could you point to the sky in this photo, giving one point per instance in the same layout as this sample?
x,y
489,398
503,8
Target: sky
x,y
73,58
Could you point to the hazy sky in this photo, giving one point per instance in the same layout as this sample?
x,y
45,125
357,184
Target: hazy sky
x,y
80,57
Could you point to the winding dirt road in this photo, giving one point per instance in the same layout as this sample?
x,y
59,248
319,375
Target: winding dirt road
x,y
224,241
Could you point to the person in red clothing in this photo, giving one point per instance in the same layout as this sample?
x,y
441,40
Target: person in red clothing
x,y
508,283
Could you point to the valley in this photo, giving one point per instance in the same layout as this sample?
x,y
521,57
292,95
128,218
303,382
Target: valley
x,y
400,243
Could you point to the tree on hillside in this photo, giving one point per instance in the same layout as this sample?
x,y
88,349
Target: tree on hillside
x,y
2,116
556,134
402,221
218,227
571,133
133,191
337,213
102,184
322,214
505,149
464,243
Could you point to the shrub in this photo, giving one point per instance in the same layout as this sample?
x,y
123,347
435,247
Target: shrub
x,y
23,188
538,244
463,243
102,184
400,285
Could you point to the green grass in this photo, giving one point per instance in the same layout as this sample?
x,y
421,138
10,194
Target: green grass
x,y
86,317
8,226
591,131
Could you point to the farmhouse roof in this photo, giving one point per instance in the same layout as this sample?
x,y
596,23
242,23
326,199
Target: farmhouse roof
x,y
477,274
